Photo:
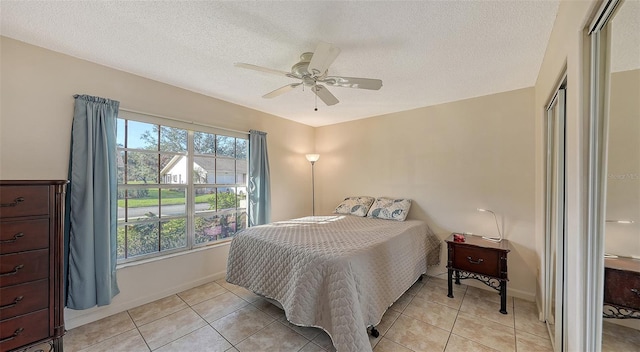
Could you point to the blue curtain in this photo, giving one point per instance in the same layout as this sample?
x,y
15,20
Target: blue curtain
x,y
91,205
259,182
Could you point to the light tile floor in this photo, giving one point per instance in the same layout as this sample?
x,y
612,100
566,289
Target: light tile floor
x,y
219,316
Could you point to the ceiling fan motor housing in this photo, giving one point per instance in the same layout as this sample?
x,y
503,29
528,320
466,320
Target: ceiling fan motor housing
x,y
301,69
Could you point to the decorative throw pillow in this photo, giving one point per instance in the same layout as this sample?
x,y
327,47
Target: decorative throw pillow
x,y
390,209
355,206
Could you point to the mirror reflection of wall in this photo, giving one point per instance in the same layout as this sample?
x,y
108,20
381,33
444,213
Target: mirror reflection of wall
x,y
622,227
623,169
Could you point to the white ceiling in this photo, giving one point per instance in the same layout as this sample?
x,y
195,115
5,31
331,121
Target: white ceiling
x,y
425,52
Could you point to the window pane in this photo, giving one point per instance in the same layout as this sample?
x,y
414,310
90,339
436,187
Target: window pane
x,y
120,158
226,198
142,168
174,201
142,239
204,169
225,171
241,148
241,222
173,139
204,143
228,225
226,146
205,199
173,169
142,135
242,197
120,132
208,228
142,204
174,234
121,241
241,172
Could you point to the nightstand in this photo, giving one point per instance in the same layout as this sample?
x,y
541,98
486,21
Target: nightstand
x,y
480,259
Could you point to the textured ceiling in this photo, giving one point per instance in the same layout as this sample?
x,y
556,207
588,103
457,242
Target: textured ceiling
x,y
425,52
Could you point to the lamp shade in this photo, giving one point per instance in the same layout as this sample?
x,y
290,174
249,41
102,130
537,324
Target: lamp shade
x,y
313,157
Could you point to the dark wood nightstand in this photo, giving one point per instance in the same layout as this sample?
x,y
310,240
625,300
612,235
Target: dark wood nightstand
x,y
480,259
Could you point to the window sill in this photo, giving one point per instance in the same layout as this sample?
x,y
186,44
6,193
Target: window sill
x,y
172,255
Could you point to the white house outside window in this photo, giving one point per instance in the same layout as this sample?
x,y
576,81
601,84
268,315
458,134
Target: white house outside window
x,y
179,186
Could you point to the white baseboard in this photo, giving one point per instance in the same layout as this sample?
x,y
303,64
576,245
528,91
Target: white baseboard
x,y
76,318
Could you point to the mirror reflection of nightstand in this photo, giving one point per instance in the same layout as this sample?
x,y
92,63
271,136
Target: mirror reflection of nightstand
x,y
477,258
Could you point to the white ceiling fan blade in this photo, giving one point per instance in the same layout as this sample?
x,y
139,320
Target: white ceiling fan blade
x,y
353,82
322,58
281,90
263,69
325,95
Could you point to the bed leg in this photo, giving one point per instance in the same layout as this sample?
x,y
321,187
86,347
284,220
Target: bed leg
x,y
374,332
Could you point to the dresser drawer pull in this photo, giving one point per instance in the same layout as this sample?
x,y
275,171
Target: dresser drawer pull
x,y
14,271
12,204
15,334
636,291
475,261
15,238
15,302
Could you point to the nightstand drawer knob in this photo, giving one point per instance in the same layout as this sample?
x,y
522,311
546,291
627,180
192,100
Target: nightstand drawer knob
x,y
479,261
634,290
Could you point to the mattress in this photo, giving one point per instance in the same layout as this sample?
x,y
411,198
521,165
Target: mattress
x,y
339,273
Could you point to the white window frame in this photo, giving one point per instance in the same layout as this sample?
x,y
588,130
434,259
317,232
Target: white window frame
x,y
190,186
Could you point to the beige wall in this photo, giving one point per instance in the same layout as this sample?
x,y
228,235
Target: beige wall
x,y
450,159
623,165
35,127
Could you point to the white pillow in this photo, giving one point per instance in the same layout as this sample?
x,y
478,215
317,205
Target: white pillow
x,y
390,209
355,206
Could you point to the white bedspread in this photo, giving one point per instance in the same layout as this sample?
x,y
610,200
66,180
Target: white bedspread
x,y
339,273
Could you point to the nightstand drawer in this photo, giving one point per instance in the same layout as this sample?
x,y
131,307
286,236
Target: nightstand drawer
x,y
24,298
24,329
23,267
18,236
619,286
24,201
477,260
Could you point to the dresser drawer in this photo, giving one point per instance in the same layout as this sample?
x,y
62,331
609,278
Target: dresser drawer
x,y
24,201
23,267
24,298
618,286
478,260
18,236
24,329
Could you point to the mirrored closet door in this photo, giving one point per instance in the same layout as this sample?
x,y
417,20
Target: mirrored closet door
x,y
616,89
621,284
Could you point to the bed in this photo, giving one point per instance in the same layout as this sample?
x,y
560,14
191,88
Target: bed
x,y
339,273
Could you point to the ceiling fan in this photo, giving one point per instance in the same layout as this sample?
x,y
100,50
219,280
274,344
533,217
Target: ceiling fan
x,y
312,70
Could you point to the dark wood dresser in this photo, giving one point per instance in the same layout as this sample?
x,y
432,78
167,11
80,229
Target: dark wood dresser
x,y
621,288
31,264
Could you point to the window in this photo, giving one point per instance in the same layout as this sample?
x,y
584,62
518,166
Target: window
x,y
179,187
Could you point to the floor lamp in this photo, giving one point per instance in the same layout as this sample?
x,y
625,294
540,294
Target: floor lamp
x,y
312,159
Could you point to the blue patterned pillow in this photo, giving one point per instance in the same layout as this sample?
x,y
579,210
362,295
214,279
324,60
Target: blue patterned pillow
x,y
354,206
390,209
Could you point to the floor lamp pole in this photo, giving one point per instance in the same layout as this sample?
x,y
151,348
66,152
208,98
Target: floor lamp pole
x,y
312,159
313,190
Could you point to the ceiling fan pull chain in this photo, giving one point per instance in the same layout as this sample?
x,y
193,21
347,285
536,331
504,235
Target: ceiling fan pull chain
x,y
316,98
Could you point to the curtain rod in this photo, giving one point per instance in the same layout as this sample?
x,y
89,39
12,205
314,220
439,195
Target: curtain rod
x,y
183,121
